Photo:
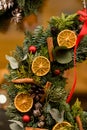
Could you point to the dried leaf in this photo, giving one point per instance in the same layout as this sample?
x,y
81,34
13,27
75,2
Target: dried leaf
x,y
13,62
17,122
15,126
56,115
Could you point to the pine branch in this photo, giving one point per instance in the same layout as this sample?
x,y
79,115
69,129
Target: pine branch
x,y
56,94
21,3
63,22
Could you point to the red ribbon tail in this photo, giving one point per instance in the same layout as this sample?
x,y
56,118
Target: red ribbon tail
x,y
73,87
80,36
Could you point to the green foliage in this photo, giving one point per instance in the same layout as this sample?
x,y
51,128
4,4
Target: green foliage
x,y
82,50
67,111
76,109
56,94
11,112
37,38
21,3
84,120
63,22
30,6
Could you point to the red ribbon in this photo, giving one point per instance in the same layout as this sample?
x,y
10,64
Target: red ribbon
x,y
83,32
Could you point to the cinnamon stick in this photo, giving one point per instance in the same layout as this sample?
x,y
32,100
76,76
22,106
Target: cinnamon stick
x,y
50,48
31,128
78,120
23,80
47,86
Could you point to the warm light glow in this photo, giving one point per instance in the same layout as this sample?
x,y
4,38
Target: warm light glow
x,y
3,99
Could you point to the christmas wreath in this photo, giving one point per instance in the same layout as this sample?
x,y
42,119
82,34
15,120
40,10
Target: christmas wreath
x,y
36,85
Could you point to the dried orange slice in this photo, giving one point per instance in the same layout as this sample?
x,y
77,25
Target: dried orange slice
x,y
62,126
67,38
23,102
40,66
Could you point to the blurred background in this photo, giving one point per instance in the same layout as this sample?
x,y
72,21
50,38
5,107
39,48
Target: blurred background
x,y
12,34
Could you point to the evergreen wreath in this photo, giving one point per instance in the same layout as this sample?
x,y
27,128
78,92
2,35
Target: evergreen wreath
x,y
36,85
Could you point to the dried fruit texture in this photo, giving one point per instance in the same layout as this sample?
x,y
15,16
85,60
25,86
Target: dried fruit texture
x,y
40,66
67,38
62,126
23,102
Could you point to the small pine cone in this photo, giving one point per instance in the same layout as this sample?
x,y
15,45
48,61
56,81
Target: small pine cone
x,y
33,87
37,89
40,89
41,118
54,31
36,113
38,105
37,98
41,124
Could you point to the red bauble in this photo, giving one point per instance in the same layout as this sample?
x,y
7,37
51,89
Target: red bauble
x,y
57,72
26,118
32,49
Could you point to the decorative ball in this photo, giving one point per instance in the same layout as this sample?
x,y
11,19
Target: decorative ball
x,y
26,118
32,49
57,72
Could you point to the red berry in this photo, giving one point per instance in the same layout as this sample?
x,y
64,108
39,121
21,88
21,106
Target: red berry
x,y
26,118
32,49
57,72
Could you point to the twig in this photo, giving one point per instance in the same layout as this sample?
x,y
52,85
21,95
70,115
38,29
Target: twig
x,y
78,120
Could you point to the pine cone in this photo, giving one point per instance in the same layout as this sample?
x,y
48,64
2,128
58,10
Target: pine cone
x,y
38,91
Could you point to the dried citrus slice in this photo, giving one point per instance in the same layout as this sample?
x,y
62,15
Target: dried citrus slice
x,y
62,126
67,38
40,66
23,102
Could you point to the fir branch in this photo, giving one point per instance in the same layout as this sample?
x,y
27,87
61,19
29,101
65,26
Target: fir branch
x,y
21,3
82,50
18,54
63,106
12,91
63,22
76,108
18,73
29,6
12,113
84,119
55,94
